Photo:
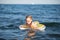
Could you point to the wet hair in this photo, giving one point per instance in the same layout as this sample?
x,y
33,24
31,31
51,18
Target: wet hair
x,y
29,16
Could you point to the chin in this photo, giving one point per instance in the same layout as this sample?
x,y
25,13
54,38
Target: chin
x,y
28,23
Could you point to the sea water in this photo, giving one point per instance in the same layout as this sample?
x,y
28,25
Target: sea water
x,y
13,15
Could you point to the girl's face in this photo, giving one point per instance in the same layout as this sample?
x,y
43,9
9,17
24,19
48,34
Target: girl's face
x,y
28,20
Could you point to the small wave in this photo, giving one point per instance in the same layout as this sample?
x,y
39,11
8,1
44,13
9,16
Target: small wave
x,y
2,39
54,35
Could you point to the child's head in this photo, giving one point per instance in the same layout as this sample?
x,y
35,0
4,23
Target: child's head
x,y
28,19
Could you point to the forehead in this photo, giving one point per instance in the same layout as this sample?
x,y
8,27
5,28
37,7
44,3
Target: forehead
x,y
28,19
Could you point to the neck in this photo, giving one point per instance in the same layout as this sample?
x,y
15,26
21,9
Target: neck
x,y
29,24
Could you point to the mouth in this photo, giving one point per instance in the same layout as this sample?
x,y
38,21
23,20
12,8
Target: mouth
x,y
29,22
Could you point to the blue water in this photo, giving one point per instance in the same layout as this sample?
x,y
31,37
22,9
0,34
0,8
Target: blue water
x,y
13,15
